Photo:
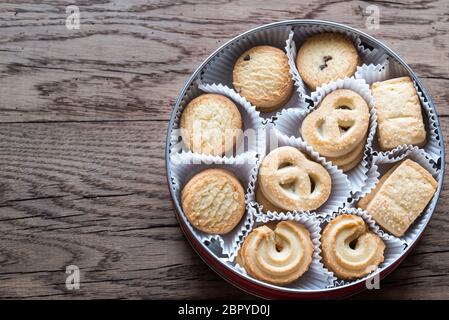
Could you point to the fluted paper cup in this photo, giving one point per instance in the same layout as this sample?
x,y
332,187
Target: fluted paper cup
x,y
390,70
252,138
219,70
341,187
299,35
290,121
381,163
186,165
394,247
317,276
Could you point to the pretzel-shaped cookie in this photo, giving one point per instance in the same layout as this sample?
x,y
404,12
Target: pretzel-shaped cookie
x,y
350,250
277,256
292,182
338,125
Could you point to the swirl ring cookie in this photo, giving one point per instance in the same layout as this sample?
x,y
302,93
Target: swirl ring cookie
x,y
213,201
350,250
338,125
326,57
262,76
290,181
278,256
211,124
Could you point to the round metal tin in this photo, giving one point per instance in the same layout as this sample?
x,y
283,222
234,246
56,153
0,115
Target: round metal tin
x,y
256,287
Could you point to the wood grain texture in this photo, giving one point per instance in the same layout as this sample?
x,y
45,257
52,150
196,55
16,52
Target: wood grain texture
x,y
83,118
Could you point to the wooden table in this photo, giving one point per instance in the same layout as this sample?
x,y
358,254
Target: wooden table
x,y
83,119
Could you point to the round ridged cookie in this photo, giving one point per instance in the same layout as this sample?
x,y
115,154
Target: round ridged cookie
x,y
211,124
326,57
262,76
213,201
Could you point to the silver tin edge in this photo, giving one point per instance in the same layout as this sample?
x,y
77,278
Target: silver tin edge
x,y
233,275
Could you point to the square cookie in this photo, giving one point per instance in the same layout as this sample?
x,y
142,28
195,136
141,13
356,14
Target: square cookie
x,y
398,113
400,196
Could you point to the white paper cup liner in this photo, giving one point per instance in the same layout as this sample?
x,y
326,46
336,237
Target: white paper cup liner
x,y
176,144
372,175
380,72
300,34
394,247
392,69
252,123
219,70
186,165
381,163
341,187
317,276
254,137
290,121
296,102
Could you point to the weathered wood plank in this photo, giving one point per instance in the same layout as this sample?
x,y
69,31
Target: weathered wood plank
x,y
83,117
94,195
130,59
